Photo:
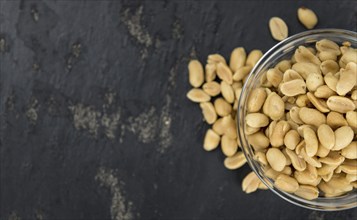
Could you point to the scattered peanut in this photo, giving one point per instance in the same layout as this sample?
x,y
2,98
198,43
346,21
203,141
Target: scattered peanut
x,y
307,17
278,28
301,120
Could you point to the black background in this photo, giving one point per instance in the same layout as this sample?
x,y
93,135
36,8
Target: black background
x,y
94,111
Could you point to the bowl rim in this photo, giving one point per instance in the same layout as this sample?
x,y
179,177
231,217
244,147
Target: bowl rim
x,y
310,204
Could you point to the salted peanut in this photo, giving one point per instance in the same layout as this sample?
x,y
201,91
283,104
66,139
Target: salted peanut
x,y
307,17
333,158
302,101
287,170
218,127
311,142
258,140
337,170
288,106
307,192
224,73
291,100
338,184
286,183
256,99
343,137
198,95
256,120
237,85
210,73
236,161
288,162
306,178
348,56
324,92
351,178
271,128
313,81
250,183
326,55
312,170
328,46
325,169
260,157
326,136
208,111
354,95
262,186
349,169
346,82
329,66
241,72
312,116
293,87
278,133
237,93
250,130
235,106
322,151
238,57
211,140
274,106
291,139
253,57
335,120
229,146
283,65
271,173
222,107
327,177
278,28
304,69
301,128
274,76
344,49
331,81
350,152
195,71
245,78
276,159
313,161
212,88
290,74
320,104
263,82
230,128
299,147
303,55
312,50
215,59
227,92
331,190
292,124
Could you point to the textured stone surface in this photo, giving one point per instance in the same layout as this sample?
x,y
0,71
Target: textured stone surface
x,y
94,119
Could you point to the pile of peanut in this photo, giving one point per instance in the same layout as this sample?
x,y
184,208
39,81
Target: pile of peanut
x,y
217,89
301,120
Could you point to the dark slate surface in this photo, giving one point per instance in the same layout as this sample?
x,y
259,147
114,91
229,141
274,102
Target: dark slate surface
x,y
94,119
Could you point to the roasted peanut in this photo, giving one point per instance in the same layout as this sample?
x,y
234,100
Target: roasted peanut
x,y
195,71
237,60
211,140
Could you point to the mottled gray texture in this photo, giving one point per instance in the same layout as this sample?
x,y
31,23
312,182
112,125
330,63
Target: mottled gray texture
x,y
98,87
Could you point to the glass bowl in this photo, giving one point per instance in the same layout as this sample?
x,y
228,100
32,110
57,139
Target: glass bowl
x,y
284,50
